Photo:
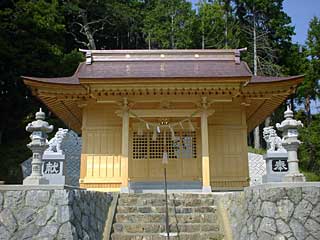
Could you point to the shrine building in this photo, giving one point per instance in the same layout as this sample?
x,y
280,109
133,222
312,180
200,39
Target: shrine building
x,y
136,109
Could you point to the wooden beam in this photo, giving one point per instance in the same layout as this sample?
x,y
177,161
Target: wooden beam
x,y
143,113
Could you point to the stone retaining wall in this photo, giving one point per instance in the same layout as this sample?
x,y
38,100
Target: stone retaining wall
x,y
271,211
274,211
53,214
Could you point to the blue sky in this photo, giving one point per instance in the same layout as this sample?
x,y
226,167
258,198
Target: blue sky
x,y
301,12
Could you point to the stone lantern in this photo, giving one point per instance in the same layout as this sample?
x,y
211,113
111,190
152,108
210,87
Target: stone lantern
x,y
289,128
38,145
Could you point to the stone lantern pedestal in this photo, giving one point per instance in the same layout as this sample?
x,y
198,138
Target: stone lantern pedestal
x,y
276,166
54,159
38,145
276,157
290,142
294,174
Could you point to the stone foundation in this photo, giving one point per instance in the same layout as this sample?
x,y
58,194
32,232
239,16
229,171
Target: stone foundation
x,y
27,213
281,211
273,211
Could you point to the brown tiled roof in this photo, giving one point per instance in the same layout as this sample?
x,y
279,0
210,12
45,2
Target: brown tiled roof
x,y
163,69
73,80
265,79
152,69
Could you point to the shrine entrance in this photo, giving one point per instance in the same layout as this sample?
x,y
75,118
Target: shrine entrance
x,y
181,144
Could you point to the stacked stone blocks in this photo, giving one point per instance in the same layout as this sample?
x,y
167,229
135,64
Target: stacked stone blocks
x,y
53,214
274,211
283,213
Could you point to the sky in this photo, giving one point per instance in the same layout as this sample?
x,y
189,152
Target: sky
x,y
301,12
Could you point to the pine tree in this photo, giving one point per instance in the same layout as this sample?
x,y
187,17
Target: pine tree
x,y
169,24
310,89
266,31
218,25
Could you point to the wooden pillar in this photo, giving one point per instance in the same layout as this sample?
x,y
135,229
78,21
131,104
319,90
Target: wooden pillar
x,y
205,148
125,147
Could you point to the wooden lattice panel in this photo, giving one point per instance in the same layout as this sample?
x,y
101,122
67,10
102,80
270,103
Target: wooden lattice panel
x,y
183,146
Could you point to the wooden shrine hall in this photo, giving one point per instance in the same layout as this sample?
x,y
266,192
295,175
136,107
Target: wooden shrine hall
x,y
137,109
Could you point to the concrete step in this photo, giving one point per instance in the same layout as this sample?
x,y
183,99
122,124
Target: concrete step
x,y
181,236
162,209
186,202
160,218
158,228
172,186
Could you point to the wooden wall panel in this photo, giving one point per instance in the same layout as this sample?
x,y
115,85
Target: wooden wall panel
x,y
228,150
226,114
101,151
102,115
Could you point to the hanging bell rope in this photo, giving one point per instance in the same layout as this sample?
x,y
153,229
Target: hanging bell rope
x,y
157,127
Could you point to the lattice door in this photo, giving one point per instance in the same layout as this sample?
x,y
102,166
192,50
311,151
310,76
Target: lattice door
x,y
147,153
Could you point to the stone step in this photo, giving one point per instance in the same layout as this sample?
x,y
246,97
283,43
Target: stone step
x,y
158,228
131,201
160,218
170,195
181,236
172,186
162,209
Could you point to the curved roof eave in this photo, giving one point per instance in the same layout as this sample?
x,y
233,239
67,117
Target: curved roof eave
x,y
267,79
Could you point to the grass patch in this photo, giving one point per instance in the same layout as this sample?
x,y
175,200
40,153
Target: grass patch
x,y
257,151
311,177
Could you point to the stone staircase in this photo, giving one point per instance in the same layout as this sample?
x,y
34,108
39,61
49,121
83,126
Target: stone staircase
x,y
142,217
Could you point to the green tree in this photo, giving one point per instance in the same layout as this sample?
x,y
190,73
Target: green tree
x,y
86,19
218,25
169,24
31,43
313,40
309,90
309,151
266,32
104,24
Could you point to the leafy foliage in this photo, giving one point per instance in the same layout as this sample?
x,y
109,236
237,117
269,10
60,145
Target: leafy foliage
x,y
104,24
309,153
310,88
218,25
266,23
169,24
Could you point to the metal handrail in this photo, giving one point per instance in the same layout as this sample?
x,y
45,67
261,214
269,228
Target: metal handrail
x,y
166,197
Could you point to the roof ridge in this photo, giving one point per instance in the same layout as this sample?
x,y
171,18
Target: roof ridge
x,y
162,54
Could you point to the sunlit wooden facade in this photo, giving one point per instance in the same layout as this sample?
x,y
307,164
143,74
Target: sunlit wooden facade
x,y
112,96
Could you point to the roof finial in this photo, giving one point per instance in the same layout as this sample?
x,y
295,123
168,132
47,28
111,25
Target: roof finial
x,y
237,54
88,57
288,114
40,115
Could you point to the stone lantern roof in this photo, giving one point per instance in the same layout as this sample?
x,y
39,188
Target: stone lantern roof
x,y
289,122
